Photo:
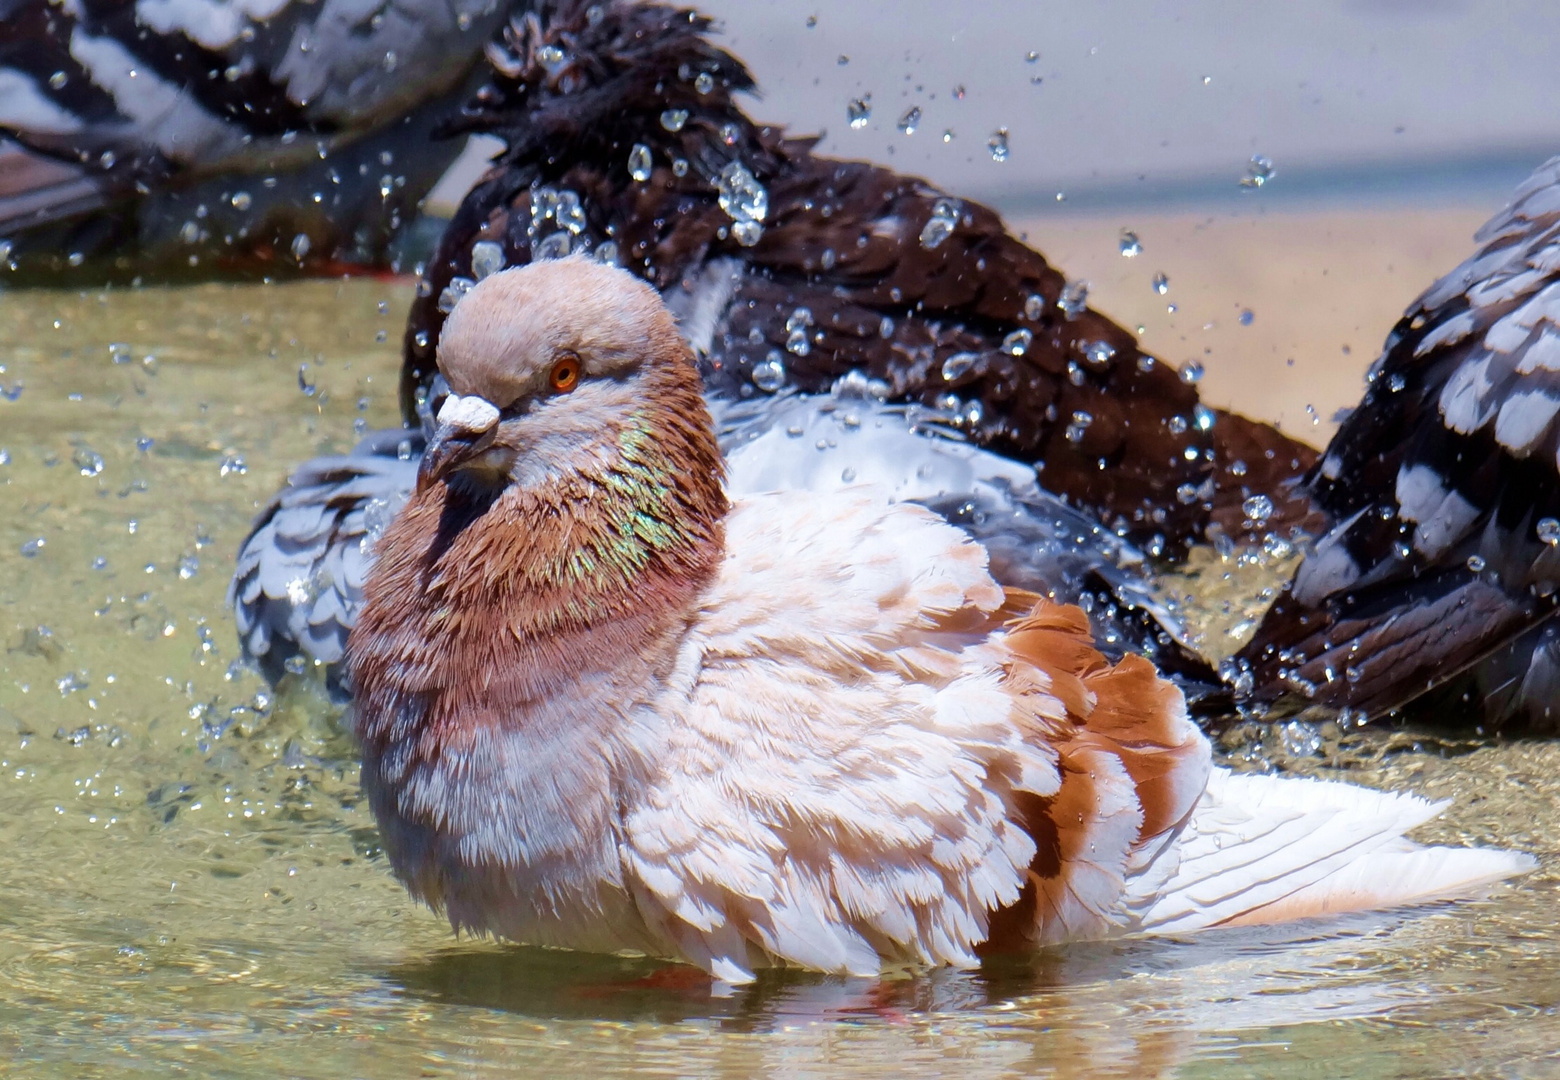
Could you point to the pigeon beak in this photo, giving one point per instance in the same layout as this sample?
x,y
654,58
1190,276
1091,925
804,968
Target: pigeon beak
x,y
465,431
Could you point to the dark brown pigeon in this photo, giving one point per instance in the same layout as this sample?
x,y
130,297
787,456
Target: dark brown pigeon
x,y
623,138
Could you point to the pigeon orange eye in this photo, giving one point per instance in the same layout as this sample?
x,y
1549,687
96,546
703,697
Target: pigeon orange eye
x,y
565,374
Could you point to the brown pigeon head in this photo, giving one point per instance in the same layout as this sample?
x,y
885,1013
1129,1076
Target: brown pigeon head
x,y
569,507
544,361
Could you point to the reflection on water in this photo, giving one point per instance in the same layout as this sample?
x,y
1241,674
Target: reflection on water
x,y
192,884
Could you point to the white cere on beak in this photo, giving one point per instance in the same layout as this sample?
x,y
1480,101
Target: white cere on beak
x,y
470,413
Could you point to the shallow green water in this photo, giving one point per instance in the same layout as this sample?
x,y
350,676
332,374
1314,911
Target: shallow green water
x,y
189,884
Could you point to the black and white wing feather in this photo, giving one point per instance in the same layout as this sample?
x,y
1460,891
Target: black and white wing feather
x,y
1444,486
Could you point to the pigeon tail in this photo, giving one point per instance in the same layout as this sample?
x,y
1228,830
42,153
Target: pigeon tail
x,y
1261,849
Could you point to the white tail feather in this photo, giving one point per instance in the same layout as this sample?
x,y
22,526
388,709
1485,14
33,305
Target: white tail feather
x,y
1263,849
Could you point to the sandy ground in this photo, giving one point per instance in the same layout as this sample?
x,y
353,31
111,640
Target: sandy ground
x,y
1324,287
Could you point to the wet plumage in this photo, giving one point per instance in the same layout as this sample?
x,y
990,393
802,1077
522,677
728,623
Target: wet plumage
x,y
603,705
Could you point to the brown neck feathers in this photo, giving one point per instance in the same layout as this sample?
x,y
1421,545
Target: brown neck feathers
x,y
502,597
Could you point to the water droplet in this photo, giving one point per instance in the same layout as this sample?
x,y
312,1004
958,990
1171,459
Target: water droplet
x,y
998,144
1549,531
87,461
848,475
674,119
1257,508
812,21
1080,424
58,80
569,213
704,82
1203,418
451,294
1246,316
639,162
1034,306
1074,300
300,246
747,233
910,120
1017,343
885,327
1476,563
1031,57
1160,283
189,566
741,195
1177,425
608,253
1259,170
1192,372
1131,246
858,111
242,201
940,226
553,246
796,343
769,374
31,548
487,258
799,318
1099,353
1396,381
1186,494
189,232
232,465
958,364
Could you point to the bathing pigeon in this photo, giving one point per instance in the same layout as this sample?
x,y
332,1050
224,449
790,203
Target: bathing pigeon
x,y
608,703
245,137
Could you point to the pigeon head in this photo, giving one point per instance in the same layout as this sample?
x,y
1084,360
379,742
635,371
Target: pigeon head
x,y
569,507
545,360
